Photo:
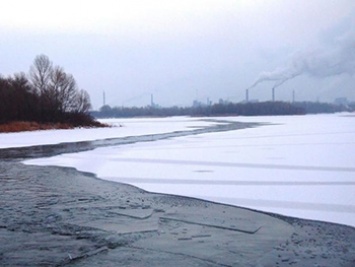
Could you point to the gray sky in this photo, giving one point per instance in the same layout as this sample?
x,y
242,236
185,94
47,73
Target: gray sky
x,y
181,50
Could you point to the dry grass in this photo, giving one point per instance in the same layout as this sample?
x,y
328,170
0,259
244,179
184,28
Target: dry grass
x,y
21,126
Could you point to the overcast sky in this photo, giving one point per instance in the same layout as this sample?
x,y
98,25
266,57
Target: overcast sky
x,y
182,50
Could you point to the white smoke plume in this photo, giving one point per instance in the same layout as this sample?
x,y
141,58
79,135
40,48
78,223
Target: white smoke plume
x,y
330,61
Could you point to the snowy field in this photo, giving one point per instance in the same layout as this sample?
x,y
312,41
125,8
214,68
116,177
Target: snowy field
x,y
300,166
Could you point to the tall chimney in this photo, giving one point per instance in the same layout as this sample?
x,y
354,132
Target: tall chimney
x,y
151,100
247,95
273,94
293,96
104,99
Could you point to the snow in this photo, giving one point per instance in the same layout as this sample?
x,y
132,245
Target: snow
x,y
300,166
120,128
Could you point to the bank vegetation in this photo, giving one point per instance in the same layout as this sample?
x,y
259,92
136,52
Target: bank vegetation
x,y
47,97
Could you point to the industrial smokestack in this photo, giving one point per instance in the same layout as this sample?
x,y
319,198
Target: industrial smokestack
x,y
103,99
323,62
293,96
247,95
273,94
151,100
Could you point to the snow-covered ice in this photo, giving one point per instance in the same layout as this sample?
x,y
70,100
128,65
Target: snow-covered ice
x,y
300,166
127,127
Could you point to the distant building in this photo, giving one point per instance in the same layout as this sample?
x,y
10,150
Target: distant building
x,y
250,101
197,103
152,103
223,102
341,101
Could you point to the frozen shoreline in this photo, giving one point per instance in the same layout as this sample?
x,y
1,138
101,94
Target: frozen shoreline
x,y
297,166
120,128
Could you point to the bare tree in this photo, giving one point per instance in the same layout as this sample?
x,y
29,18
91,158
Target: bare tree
x,y
40,73
83,103
25,100
47,94
63,90
57,89
5,99
18,102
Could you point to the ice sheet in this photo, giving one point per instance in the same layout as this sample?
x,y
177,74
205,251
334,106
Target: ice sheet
x,y
300,166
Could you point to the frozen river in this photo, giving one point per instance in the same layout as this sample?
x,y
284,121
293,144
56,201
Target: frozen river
x,y
299,166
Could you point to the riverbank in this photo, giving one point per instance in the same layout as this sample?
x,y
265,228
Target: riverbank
x,y
55,216
26,126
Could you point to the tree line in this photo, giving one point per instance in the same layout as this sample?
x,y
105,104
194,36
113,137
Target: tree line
x,y
47,94
219,109
224,109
